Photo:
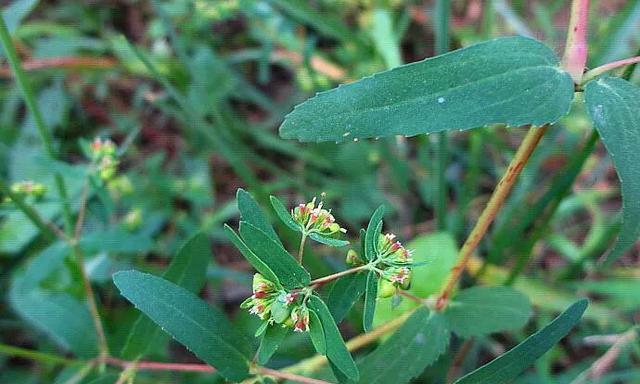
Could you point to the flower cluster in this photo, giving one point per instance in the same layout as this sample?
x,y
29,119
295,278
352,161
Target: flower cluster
x,y
396,262
276,305
28,189
103,154
312,218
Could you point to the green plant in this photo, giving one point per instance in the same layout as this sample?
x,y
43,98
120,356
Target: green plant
x,y
409,303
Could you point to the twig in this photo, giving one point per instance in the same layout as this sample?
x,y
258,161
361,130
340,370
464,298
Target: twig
x,y
489,213
458,360
69,62
290,376
326,279
40,357
606,361
90,295
608,67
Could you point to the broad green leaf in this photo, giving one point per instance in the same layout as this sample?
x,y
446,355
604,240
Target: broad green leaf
x,y
330,241
438,252
614,106
371,236
412,348
271,340
59,315
289,272
188,270
344,293
204,330
337,352
482,310
513,81
251,257
251,212
370,296
316,332
509,365
284,215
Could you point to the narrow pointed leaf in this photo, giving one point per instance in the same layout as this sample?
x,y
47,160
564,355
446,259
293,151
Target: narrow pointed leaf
x,y
284,215
204,330
344,293
482,310
337,352
509,365
513,80
371,236
251,257
370,296
614,107
316,332
188,270
271,340
251,212
285,267
330,241
412,348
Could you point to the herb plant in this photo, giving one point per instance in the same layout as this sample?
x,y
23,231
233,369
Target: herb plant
x,y
410,301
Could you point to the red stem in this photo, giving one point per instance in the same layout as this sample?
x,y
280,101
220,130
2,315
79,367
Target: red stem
x,y
575,54
608,67
329,278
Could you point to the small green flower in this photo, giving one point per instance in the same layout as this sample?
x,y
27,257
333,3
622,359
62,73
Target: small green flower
x,y
312,218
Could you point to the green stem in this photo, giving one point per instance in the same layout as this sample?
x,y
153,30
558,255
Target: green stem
x,y
32,106
41,357
442,12
303,239
48,230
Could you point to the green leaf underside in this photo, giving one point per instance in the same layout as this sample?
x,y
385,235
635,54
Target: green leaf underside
x,y
370,301
204,330
614,107
330,241
316,332
371,236
188,270
413,347
513,81
344,293
283,214
251,212
285,267
509,365
482,310
271,340
251,257
337,352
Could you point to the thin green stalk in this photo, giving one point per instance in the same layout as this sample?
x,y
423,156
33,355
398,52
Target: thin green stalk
x,y
33,215
303,239
32,106
442,13
41,357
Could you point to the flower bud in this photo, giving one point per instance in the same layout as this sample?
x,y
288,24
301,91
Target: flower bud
x,y
386,289
353,259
